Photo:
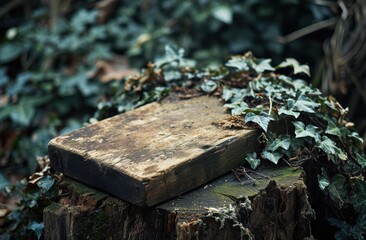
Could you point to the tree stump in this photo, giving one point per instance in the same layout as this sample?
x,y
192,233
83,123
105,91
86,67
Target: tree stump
x,y
274,206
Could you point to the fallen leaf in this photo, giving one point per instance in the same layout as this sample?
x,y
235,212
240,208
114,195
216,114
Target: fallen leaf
x,y
115,69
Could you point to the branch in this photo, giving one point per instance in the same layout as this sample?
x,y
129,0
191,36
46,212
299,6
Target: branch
x,y
307,30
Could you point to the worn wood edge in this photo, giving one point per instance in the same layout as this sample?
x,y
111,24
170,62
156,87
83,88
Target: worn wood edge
x,y
105,178
214,163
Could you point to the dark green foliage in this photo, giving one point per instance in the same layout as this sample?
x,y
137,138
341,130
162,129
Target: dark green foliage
x,y
26,222
316,128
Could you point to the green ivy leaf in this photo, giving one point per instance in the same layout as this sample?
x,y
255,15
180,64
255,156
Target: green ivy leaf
x,y
262,119
356,137
290,62
328,146
361,160
262,65
4,182
337,189
323,179
46,183
284,111
209,86
283,141
233,95
305,104
308,131
252,159
223,14
240,63
333,129
82,18
359,198
244,64
288,110
9,51
240,109
37,228
272,156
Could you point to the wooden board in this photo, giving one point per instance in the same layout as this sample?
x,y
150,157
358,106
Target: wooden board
x,y
155,152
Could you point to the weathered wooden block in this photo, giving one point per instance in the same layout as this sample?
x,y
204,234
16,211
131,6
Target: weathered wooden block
x,y
155,152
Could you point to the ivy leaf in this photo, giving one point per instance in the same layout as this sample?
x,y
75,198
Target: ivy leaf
x,y
337,189
82,18
9,51
284,111
333,129
24,114
299,84
288,111
233,95
239,110
361,160
359,199
328,146
342,155
209,86
323,179
243,63
308,131
46,183
305,104
3,181
330,105
262,65
37,228
272,156
283,141
252,159
290,62
262,119
240,63
223,14
356,137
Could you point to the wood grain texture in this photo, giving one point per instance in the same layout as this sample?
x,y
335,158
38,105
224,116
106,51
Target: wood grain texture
x,y
155,152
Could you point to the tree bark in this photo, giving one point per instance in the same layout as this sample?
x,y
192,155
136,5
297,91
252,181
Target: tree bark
x,y
275,207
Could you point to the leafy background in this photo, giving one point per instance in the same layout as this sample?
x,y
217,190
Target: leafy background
x,y
59,59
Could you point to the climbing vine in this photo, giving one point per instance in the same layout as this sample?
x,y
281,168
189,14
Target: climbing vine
x,y
300,126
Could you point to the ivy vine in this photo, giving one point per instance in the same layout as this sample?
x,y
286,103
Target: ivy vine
x,y
258,94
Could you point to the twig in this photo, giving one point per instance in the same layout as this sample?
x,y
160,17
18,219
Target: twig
x,y
259,174
248,176
307,30
344,14
236,175
270,105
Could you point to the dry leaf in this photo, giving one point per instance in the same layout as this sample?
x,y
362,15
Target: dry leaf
x,y
108,70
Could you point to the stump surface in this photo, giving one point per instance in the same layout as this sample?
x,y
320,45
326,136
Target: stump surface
x,y
155,152
273,208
